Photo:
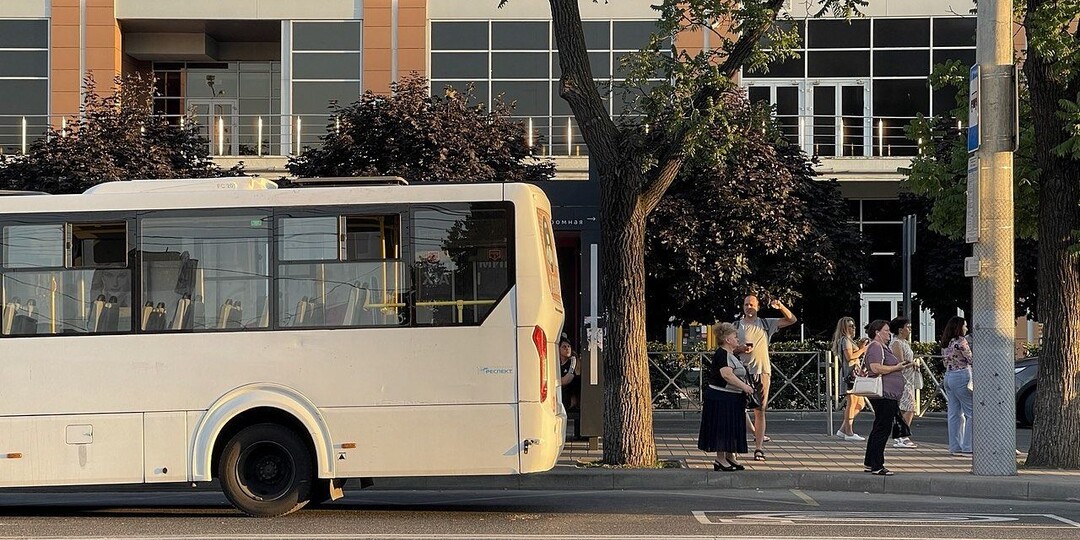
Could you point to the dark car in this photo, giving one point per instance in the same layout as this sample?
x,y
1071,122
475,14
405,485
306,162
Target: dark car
x,y
1027,373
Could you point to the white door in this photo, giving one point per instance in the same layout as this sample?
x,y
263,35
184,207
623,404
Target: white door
x,y
838,114
874,306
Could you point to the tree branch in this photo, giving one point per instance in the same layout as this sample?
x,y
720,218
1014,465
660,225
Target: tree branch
x,y
672,158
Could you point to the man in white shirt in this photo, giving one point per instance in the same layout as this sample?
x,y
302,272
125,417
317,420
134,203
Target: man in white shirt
x,y
753,350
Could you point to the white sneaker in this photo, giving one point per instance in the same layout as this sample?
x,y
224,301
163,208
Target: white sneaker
x,y
854,437
841,434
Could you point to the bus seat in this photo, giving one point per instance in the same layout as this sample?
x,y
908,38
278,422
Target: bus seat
x,y
147,310
348,317
96,309
110,316
10,309
223,313
236,316
24,323
198,312
181,314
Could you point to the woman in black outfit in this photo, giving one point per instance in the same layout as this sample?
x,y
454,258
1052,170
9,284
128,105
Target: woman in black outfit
x,y
723,414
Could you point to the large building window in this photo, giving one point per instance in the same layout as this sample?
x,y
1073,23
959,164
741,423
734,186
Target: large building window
x,y
858,84
518,61
24,82
327,67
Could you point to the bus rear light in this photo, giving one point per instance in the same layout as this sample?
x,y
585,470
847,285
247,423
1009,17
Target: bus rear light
x,y
14,455
540,340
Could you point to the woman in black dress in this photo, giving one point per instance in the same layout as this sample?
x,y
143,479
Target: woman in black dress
x,y
723,414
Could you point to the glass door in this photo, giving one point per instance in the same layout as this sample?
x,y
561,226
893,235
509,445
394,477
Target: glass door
x,y
218,121
841,118
787,97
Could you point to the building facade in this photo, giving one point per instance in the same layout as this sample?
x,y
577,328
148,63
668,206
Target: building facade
x,y
259,76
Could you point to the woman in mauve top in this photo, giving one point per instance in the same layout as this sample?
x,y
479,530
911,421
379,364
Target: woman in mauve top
x,y
957,359
881,362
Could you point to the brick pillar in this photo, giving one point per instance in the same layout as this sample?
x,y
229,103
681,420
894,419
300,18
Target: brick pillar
x,y
102,54
378,41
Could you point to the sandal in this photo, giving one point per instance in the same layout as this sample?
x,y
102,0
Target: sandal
x,y
759,455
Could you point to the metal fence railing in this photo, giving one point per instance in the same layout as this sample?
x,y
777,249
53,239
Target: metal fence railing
x,y
801,381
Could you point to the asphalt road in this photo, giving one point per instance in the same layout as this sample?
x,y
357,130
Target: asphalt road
x,y
541,515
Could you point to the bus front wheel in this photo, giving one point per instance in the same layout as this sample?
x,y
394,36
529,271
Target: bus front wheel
x,y
266,470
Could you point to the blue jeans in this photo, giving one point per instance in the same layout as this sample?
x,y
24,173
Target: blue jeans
x,y
956,386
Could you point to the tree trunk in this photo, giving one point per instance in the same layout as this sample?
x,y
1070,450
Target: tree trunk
x,y
628,419
1055,440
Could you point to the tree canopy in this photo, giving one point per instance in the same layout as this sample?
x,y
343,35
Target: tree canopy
x,y
424,136
115,137
757,220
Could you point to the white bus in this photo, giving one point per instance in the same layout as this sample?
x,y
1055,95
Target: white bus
x,y
280,340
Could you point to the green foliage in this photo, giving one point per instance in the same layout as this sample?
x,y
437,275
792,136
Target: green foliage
x,y
756,220
423,137
1070,115
115,137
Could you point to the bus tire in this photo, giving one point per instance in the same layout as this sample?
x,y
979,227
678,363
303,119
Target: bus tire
x,y
266,470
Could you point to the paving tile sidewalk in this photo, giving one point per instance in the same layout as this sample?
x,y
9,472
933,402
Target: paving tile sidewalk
x,y
805,453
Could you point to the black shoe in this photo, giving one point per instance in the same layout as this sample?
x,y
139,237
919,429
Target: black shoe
x,y
716,466
882,472
738,466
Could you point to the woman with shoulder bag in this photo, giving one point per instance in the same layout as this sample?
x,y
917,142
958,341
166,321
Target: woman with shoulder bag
x,y
723,417
849,354
882,363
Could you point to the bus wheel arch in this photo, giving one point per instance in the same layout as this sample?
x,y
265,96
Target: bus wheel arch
x,y
257,404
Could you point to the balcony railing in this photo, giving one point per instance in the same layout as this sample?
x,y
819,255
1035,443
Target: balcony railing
x,y
554,136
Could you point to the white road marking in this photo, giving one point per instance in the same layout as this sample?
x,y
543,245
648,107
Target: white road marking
x,y
907,519
809,500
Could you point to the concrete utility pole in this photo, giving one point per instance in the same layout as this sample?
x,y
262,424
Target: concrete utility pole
x,y
992,139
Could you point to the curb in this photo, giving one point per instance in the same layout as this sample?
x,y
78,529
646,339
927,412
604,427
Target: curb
x,y
1026,487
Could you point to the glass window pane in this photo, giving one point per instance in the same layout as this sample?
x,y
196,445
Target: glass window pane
x,y
459,65
519,36
965,56
838,63
786,26
315,97
790,67
882,210
67,302
308,239
99,245
24,63
902,32
23,97
24,34
206,272
519,66
341,294
883,238
954,32
479,89
838,34
597,35
455,36
461,253
372,237
599,63
901,97
327,36
34,246
901,63
531,97
326,66
885,274
632,35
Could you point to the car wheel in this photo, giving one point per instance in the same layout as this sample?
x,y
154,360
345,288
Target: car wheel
x,y
1028,409
266,470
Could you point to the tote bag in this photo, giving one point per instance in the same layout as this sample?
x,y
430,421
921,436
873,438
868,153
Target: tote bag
x,y
867,386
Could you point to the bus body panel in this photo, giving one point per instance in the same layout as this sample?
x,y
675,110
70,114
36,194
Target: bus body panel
x,y
71,450
165,447
434,440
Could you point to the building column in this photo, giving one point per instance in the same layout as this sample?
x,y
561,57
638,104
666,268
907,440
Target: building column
x,y
395,41
85,39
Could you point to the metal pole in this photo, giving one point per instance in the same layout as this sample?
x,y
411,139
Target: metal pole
x,y
992,303
907,248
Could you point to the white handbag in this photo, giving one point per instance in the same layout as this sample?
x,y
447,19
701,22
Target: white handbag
x,y
867,386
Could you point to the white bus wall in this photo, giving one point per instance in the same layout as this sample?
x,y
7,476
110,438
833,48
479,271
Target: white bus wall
x,y
543,424
72,450
439,374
